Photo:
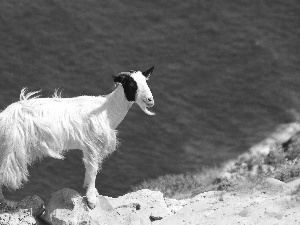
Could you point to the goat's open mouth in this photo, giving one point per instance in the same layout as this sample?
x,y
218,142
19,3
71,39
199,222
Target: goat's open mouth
x,y
144,107
148,105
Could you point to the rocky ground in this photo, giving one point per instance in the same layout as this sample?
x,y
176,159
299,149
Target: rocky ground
x,y
262,186
146,207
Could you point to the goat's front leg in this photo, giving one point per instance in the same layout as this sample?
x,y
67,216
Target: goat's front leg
x,y
91,167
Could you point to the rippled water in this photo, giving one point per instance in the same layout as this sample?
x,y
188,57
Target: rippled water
x,y
226,74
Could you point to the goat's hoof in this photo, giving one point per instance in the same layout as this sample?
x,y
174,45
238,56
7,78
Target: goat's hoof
x,y
92,197
91,205
92,202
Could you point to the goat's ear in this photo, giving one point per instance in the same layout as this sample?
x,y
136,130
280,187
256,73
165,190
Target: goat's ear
x,y
147,73
118,78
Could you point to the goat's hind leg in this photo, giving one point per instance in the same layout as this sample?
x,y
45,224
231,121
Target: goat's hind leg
x,y
2,200
91,168
6,203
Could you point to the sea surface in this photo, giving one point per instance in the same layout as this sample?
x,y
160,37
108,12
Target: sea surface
x,y
227,73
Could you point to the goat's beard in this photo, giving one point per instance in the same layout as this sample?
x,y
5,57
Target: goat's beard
x,y
145,109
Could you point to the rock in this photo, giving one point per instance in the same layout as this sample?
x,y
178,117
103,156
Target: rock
x,y
147,207
17,218
275,183
23,212
68,207
244,213
144,206
294,184
34,203
175,205
281,135
237,209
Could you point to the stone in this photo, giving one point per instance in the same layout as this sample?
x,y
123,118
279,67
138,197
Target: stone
x,y
175,205
147,207
34,203
260,208
23,212
68,207
144,205
244,213
275,183
294,184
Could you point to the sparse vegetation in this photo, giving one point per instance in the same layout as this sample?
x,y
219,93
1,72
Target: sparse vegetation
x,y
248,173
182,185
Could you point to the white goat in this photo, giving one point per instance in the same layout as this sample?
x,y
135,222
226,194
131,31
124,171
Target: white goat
x,y
36,127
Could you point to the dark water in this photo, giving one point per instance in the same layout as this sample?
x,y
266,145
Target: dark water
x,y
226,74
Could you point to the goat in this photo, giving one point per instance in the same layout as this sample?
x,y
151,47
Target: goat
x,y
34,127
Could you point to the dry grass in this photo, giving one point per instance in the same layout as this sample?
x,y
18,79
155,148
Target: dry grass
x,y
249,173
182,185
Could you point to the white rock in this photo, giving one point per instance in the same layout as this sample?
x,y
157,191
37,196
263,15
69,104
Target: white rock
x,y
145,204
22,212
276,183
67,207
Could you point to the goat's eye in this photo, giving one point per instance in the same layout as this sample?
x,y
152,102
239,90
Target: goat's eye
x,y
131,84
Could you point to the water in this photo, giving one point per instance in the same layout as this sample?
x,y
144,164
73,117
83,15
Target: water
x,y
226,75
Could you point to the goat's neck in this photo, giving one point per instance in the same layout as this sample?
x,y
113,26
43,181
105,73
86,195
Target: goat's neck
x,y
118,106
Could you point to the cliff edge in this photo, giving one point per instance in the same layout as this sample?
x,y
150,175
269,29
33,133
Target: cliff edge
x,y
262,186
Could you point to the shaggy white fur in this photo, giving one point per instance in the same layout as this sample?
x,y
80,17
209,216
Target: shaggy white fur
x,y
36,127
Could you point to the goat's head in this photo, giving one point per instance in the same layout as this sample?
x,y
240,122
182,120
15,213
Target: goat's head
x,y
136,88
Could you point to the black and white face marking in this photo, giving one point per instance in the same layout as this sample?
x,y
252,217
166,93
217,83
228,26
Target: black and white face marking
x,y
136,88
128,83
